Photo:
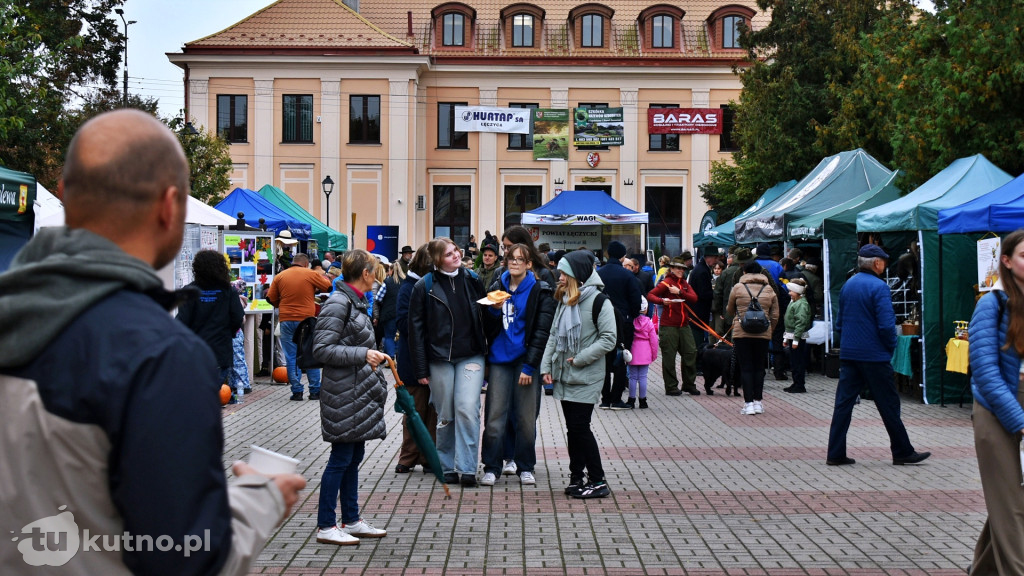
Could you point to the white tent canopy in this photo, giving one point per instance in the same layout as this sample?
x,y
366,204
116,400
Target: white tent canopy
x,y
50,211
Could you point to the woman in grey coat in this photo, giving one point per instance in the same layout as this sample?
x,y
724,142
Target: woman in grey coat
x,y
352,398
574,362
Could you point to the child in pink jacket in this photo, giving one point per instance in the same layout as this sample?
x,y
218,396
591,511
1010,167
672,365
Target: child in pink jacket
x,y
644,351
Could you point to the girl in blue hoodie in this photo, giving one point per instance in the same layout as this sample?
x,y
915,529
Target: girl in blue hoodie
x,y
518,331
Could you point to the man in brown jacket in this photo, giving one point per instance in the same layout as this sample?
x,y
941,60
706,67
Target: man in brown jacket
x,y
292,293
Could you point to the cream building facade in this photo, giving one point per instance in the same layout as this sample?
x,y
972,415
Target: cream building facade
x,y
365,94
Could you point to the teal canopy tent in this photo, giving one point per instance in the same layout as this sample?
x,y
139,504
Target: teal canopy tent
x,y
17,194
326,238
835,179
946,294
724,234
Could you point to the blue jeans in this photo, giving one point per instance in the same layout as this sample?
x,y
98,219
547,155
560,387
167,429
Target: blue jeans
x,y
505,396
290,351
340,476
390,346
455,393
878,376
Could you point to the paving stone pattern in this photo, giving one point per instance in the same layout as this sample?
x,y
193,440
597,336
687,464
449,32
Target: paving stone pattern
x,y
697,489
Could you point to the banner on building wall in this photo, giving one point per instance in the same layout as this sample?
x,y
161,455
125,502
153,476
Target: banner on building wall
x,y
684,120
490,119
550,133
598,127
382,240
567,238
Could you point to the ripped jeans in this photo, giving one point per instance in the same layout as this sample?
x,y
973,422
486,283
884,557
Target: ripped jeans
x,y
455,393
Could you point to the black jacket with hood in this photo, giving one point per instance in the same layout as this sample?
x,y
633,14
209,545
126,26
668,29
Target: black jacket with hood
x,y
431,319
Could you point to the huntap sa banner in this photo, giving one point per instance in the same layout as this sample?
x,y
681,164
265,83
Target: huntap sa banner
x,y
684,120
489,119
598,127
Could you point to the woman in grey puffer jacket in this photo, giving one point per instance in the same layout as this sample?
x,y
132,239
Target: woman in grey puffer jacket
x,y
352,397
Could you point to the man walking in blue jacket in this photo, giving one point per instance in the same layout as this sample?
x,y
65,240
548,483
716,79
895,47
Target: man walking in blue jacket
x,y
867,327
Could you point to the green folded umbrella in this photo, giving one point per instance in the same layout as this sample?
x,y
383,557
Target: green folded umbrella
x,y
405,404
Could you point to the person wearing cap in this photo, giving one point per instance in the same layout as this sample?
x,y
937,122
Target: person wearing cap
x,y
488,266
798,321
573,363
674,336
623,289
283,246
687,257
867,326
815,287
700,280
740,256
406,258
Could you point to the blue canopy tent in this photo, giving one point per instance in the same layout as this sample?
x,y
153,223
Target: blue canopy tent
x,y
582,208
725,234
1001,211
946,293
255,207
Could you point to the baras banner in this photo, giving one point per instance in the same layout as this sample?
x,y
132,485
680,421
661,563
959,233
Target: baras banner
x,y
684,120
598,127
489,119
550,133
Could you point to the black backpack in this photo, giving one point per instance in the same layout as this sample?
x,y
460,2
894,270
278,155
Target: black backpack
x,y
303,339
754,320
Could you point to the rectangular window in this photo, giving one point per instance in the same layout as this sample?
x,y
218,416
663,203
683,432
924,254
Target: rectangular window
x,y
731,31
592,105
669,142
665,212
663,32
297,125
447,137
232,114
364,120
451,213
454,29
522,30
519,199
726,143
593,31
521,141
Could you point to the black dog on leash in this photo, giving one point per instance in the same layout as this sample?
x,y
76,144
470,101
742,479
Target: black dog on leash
x,y
717,363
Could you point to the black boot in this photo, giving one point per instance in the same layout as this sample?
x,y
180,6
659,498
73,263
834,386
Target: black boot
x,y
643,403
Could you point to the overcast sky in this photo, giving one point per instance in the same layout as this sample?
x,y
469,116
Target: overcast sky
x,y
164,26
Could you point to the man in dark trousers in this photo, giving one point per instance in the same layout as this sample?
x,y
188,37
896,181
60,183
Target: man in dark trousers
x,y
778,354
700,280
867,326
623,289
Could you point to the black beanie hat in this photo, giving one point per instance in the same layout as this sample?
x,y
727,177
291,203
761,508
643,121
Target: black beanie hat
x,y
582,264
616,249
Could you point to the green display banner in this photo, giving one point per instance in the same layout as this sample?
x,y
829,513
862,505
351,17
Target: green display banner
x,y
550,134
597,127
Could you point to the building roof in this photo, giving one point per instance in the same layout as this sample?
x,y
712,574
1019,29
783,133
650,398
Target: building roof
x,y
407,25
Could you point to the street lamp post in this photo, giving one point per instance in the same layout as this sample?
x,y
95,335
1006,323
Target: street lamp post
x,y
328,186
126,23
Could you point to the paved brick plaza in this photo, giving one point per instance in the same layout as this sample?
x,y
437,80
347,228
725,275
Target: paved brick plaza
x,y
696,489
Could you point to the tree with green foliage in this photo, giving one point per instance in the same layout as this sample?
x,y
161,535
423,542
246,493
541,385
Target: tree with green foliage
x,y
51,53
209,159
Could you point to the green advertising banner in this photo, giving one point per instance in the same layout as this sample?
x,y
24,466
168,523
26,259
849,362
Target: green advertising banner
x,y
597,127
550,134
17,193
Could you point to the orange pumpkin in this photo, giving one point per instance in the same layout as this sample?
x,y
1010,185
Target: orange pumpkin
x,y
225,394
281,375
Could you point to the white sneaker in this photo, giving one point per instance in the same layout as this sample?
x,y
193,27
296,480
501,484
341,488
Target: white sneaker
x,y
488,479
364,530
509,469
335,535
527,479
748,409
758,409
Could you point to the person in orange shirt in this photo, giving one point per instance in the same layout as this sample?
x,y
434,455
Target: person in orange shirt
x,y
292,294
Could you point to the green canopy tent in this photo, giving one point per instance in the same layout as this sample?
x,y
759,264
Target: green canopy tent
x,y
835,179
17,195
946,292
326,238
724,234
836,228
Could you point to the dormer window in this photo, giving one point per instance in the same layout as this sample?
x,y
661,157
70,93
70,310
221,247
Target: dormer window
x,y
592,31
522,30
663,32
731,31
454,29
